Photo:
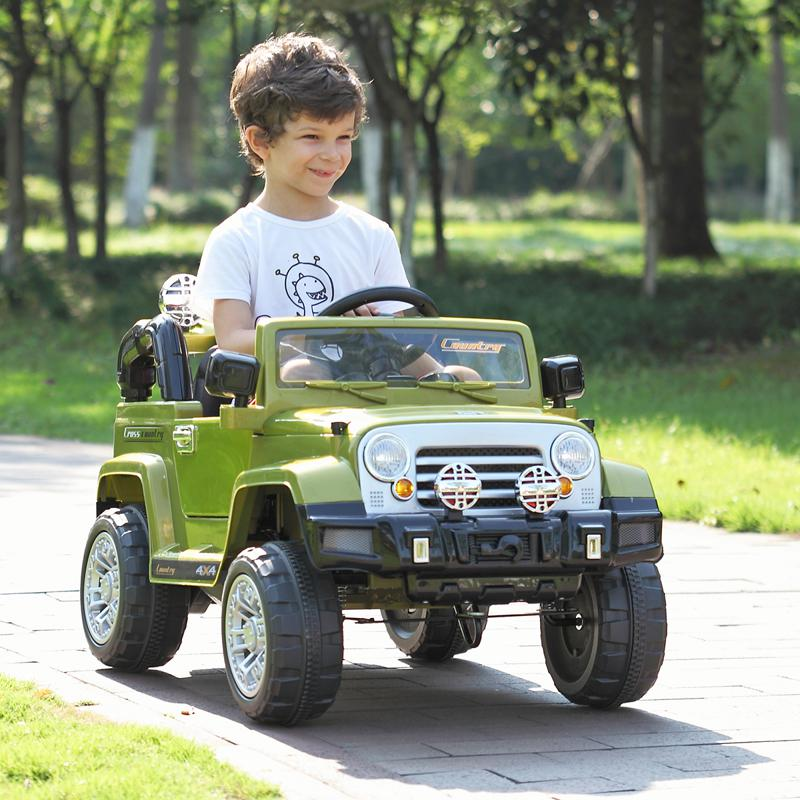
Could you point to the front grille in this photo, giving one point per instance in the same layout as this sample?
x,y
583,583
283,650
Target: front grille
x,y
497,467
633,533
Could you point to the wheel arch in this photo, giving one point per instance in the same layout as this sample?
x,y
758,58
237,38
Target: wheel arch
x,y
296,484
141,478
625,480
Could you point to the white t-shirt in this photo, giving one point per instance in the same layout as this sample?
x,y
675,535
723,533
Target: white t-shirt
x,y
285,268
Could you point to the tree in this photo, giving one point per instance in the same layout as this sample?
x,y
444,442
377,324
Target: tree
x,y
406,50
141,161
778,203
654,57
556,52
683,212
59,30
184,119
17,56
97,58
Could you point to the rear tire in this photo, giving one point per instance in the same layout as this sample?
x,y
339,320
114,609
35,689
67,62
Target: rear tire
x,y
431,634
281,634
615,653
130,624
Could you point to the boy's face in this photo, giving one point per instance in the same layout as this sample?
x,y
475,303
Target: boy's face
x,y
308,157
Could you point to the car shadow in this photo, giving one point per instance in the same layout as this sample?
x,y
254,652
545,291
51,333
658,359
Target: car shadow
x,y
464,725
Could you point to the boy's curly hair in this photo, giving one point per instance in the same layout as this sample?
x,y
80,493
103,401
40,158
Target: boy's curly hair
x,y
286,76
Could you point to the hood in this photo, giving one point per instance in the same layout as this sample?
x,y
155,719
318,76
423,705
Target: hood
x,y
311,421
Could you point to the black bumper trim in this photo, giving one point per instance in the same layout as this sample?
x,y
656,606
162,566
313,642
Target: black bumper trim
x,y
516,546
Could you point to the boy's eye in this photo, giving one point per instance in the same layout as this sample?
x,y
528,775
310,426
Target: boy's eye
x,y
311,136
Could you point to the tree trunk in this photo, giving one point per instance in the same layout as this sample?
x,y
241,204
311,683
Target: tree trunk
x,y
386,171
437,201
142,158
99,95
182,176
371,142
63,109
410,186
15,174
597,154
778,199
649,47
684,216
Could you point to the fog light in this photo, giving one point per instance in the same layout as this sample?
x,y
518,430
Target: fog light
x,y
566,485
594,545
422,550
403,489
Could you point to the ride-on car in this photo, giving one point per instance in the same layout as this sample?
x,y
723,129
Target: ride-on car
x,y
426,467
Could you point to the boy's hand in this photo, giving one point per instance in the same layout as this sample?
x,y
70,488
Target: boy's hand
x,y
369,310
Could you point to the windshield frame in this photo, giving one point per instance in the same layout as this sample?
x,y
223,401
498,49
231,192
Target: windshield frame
x,y
271,392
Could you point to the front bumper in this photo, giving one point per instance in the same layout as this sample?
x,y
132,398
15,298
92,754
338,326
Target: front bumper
x,y
629,530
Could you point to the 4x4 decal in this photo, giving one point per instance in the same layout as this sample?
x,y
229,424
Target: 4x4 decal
x,y
175,569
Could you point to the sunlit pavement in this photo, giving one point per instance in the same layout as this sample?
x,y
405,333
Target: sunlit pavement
x,y
723,719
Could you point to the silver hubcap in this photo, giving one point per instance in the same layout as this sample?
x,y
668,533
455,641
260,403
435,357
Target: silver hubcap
x,y
245,636
405,623
101,589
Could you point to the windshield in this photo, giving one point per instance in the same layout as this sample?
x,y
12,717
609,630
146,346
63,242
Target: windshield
x,y
402,356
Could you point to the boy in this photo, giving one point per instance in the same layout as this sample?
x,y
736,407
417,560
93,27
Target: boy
x,y
293,250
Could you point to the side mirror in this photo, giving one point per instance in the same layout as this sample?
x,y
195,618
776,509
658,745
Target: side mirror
x,y
562,379
233,375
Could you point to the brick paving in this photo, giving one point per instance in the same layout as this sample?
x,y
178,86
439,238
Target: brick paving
x,y
722,719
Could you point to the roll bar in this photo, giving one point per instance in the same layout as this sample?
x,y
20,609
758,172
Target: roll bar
x,y
154,350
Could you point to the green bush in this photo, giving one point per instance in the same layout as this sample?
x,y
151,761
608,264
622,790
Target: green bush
x,y
209,207
43,201
574,308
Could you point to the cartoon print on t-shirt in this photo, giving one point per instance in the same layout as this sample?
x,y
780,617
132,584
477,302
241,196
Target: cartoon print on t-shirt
x,y
308,286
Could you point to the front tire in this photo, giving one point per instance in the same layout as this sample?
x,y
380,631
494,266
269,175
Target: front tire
x,y
431,634
130,624
615,651
281,634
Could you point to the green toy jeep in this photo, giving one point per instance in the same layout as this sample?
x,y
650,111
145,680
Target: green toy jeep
x,y
428,467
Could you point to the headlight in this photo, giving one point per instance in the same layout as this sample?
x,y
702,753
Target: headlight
x,y
386,457
572,455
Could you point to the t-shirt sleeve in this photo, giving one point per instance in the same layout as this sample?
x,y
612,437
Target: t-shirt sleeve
x,y
223,273
389,270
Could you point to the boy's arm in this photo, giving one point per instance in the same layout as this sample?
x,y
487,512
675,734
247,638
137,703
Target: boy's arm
x,y
233,326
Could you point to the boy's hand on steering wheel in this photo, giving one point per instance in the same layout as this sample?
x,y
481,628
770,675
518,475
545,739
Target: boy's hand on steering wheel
x,y
368,310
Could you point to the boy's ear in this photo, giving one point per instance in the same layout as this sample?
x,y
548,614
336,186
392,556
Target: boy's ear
x,y
257,141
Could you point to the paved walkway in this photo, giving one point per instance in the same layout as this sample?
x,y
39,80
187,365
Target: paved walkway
x,y
723,719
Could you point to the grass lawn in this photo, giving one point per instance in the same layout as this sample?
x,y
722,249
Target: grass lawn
x,y
718,435
49,751
688,385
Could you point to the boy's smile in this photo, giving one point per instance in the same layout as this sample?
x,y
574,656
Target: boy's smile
x,y
302,165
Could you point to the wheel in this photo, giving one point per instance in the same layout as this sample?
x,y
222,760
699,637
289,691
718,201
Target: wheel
x,y
130,623
281,634
607,646
432,634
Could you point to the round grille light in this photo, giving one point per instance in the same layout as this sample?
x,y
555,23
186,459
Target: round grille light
x,y
386,457
572,455
175,299
537,489
457,486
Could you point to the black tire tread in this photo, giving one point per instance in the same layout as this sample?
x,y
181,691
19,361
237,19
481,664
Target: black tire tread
x,y
440,640
632,638
304,621
153,617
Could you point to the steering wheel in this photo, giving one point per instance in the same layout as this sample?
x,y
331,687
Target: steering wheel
x,y
377,294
